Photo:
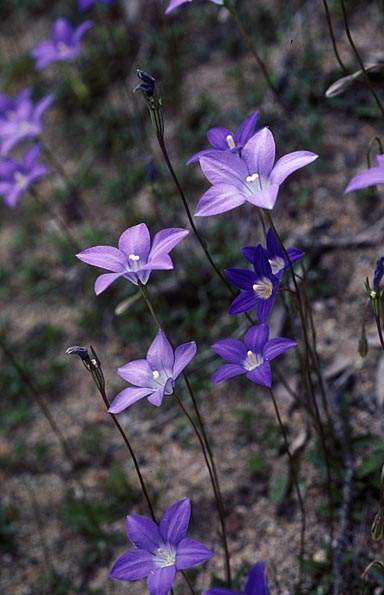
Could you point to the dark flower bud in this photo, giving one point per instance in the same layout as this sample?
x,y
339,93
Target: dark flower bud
x,y
379,273
147,85
92,364
149,88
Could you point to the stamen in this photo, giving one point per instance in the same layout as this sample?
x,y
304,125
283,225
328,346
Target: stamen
x,y
20,179
252,178
63,48
276,264
263,288
155,374
25,126
166,558
253,361
230,142
134,257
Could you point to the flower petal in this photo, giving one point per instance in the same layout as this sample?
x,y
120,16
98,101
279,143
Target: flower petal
x,y
219,591
127,397
265,198
256,337
276,346
133,565
105,257
191,552
183,355
143,532
264,308
242,278
104,281
138,373
62,31
245,301
231,350
259,153
286,165
156,398
174,4
261,375
256,581
369,177
175,521
197,156
224,167
160,355
160,582
136,241
165,240
218,137
80,30
227,371
219,199
246,129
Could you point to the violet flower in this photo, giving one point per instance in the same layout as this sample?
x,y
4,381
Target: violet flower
x,y
368,177
274,254
254,177
251,357
134,259
255,584
63,45
160,549
378,274
85,4
154,376
175,3
16,177
259,286
21,119
223,139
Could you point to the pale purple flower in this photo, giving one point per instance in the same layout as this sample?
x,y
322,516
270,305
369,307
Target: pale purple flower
x,y
85,4
258,287
254,177
175,3
251,357
21,119
63,45
154,376
135,258
223,139
368,177
255,584
16,177
160,549
274,254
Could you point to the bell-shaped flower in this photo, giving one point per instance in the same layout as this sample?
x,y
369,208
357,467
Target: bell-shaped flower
x,y
85,4
254,177
275,254
368,177
258,287
175,3
63,45
251,357
154,376
223,139
135,258
16,177
255,584
161,549
22,119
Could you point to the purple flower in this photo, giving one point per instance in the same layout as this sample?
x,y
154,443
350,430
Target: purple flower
x,y
223,139
368,177
259,286
85,4
134,259
21,118
253,177
256,583
274,254
251,357
16,177
160,549
154,376
63,45
378,274
175,3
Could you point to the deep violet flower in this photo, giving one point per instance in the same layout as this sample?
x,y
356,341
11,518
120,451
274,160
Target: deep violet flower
x,y
85,4
134,259
160,549
175,3
274,254
251,357
378,274
154,376
368,177
63,45
223,139
254,177
255,584
21,119
259,286
16,177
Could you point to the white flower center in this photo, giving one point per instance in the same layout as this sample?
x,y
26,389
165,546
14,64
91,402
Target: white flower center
x,y
62,48
25,126
253,360
263,288
155,374
134,257
165,557
20,179
276,264
252,178
230,142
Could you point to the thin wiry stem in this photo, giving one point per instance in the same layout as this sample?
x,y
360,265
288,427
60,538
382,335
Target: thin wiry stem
x,y
333,38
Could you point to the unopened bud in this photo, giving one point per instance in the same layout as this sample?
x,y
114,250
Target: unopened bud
x,y
363,342
92,364
149,88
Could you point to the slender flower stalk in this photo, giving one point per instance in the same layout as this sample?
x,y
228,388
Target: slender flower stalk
x,y
333,38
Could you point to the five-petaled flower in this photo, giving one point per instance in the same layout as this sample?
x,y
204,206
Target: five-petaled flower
x,y
16,177
368,177
251,357
21,118
134,259
254,177
255,584
85,4
258,287
154,376
175,3
223,139
63,45
275,254
161,549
